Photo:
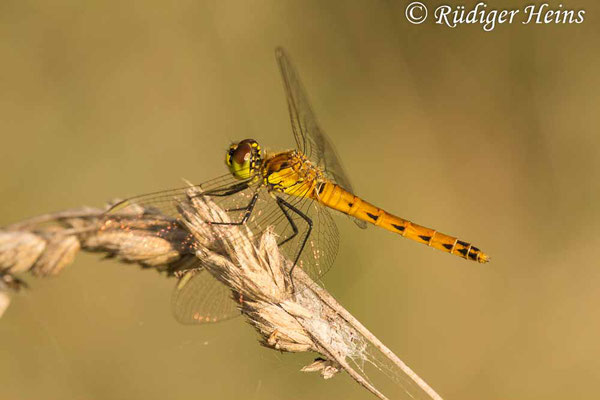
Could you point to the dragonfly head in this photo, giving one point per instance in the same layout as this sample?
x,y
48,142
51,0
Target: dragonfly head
x,y
244,158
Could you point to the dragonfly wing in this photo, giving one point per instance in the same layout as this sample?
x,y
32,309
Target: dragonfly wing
x,y
310,139
235,196
359,223
165,202
323,242
315,252
200,298
164,205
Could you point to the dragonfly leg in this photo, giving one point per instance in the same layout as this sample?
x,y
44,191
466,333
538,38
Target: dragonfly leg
x,y
247,214
227,191
283,205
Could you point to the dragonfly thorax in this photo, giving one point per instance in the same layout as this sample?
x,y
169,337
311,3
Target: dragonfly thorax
x,y
292,173
244,159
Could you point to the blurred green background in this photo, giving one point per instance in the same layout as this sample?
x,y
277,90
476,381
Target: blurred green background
x,y
492,137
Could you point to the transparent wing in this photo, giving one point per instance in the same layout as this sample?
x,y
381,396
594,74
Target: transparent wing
x,y
310,139
165,202
202,298
318,252
198,297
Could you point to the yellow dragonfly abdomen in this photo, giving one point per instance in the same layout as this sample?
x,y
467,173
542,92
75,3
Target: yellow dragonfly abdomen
x,y
333,196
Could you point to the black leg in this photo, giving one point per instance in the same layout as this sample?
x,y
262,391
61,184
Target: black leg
x,y
247,214
228,192
290,220
238,187
282,203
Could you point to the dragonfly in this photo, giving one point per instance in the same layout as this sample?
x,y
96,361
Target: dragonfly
x,y
291,192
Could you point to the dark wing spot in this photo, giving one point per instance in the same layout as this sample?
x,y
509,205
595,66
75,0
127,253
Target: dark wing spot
x,y
398,227
373,216
425,238
448,246
463,243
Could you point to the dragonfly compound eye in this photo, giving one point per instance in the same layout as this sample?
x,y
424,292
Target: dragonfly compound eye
x,y
243,158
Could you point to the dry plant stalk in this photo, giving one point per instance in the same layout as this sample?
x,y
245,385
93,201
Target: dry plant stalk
x,y
304,319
